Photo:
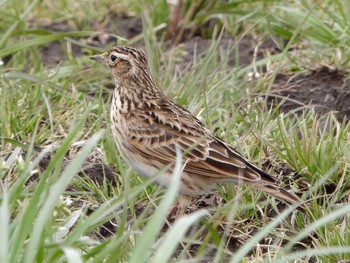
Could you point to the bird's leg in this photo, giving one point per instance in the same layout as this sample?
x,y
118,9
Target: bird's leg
x,y
180,206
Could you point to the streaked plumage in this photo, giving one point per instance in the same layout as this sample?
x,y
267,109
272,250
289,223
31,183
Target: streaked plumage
x,y
147,126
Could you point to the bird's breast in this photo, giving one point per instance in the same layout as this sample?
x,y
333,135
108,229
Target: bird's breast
x,y
118,121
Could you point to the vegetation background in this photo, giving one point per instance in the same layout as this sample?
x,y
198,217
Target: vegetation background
x,y
269,77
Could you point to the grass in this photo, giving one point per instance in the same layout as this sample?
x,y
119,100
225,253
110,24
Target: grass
x,y
52,211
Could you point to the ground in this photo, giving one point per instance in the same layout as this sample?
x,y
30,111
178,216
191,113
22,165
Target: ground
x,y
323,88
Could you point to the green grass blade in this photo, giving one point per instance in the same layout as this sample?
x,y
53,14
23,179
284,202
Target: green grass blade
x,y
318,224
244,249
24,220
4,225
72,255
145,242
324,251
41,40
174,235
54,192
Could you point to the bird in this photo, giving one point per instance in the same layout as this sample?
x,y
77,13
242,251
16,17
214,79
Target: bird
x,y
148,128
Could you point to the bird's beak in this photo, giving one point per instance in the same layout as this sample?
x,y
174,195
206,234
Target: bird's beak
x,y
99,58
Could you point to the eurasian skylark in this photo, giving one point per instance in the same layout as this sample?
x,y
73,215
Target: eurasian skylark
x,y
147,127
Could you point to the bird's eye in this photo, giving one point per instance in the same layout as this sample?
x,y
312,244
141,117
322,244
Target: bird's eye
x,y
113,58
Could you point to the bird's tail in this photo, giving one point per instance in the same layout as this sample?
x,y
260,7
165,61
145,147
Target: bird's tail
x,y
281,194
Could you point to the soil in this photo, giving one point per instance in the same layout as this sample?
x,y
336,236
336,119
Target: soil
x,y
325,89
246,49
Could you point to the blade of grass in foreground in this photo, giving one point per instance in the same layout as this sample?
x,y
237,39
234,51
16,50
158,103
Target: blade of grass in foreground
x,y
72,255
242,252
174,235
344,210
146,241
4,223
22,225
54,193
324,251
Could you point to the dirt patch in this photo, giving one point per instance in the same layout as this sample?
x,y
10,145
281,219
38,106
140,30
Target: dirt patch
x,y
324,88
245,47
55,53
124,25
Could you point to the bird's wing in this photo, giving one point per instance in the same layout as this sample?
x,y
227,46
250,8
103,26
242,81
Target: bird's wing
x,y
156,132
